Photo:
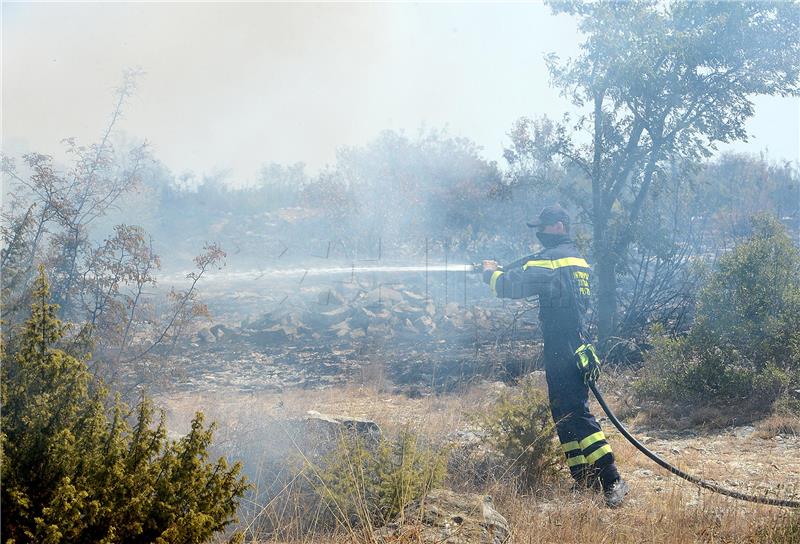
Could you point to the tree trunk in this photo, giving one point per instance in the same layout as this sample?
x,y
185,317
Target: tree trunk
x,y
605,280
605,265
605,261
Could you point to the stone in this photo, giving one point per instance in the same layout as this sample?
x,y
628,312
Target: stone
x,y
219,331
330,298
413,296
385,295
426,324
206,336
446,516
410,327
324,430
406,309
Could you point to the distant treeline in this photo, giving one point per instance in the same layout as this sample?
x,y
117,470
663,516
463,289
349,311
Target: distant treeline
x,y
403,189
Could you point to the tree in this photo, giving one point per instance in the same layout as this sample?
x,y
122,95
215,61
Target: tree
x,y
737,186
433,184
73,474
60,206
662,84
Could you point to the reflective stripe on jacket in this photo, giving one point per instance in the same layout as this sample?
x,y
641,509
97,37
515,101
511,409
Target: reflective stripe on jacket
x,y
561,279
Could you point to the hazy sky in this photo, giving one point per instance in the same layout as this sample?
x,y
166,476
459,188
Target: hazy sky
x,y
233,86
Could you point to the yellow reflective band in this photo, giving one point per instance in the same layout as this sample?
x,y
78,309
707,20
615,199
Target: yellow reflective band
x,y
597,454
591,439
570,446
579,460
493,280
552,264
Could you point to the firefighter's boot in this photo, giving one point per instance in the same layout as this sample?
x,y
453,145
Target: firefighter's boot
x,y
615,493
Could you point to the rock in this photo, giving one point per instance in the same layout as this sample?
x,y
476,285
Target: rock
x,y
445,516
466,437
383,295
342,328
379,330
406,309
330,298
413,296
410,327
219,331
472,460
329,428
426,324
361,318
206,336
334,316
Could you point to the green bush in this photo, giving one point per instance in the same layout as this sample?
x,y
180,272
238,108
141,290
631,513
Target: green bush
x,y
519,426
75,471
744,346
364,484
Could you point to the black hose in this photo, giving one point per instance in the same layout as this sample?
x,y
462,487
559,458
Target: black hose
x,y
678,472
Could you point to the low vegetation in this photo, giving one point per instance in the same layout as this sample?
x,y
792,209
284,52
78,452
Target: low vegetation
x,y
519,426
74,469
365,485
744,347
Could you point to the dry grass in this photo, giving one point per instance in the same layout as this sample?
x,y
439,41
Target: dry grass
x,y
660,509
779,424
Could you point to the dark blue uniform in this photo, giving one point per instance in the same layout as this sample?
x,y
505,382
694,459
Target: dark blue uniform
x,y
561,279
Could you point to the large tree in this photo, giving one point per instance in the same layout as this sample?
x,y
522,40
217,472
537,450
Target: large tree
x,y
660,84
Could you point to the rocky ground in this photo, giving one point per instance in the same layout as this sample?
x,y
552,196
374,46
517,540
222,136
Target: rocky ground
x,y
267,338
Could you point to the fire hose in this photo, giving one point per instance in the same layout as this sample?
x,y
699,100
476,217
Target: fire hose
x,y
678,472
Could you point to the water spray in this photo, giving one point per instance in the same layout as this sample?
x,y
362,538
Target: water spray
x,y
302,272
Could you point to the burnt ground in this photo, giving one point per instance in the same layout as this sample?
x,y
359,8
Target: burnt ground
x,y
325,332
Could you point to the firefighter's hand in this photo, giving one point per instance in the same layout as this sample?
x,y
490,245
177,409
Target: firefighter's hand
x,y
588,363
490,266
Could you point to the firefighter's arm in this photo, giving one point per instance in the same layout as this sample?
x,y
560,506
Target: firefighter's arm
x,y
517,282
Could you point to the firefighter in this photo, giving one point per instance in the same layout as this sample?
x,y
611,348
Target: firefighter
x,y
561,279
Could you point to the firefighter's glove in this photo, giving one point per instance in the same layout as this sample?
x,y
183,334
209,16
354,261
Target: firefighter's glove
x,y
588,363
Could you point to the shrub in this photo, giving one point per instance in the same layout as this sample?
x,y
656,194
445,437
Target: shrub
x,y
369,485
520,427
745,343
72,473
